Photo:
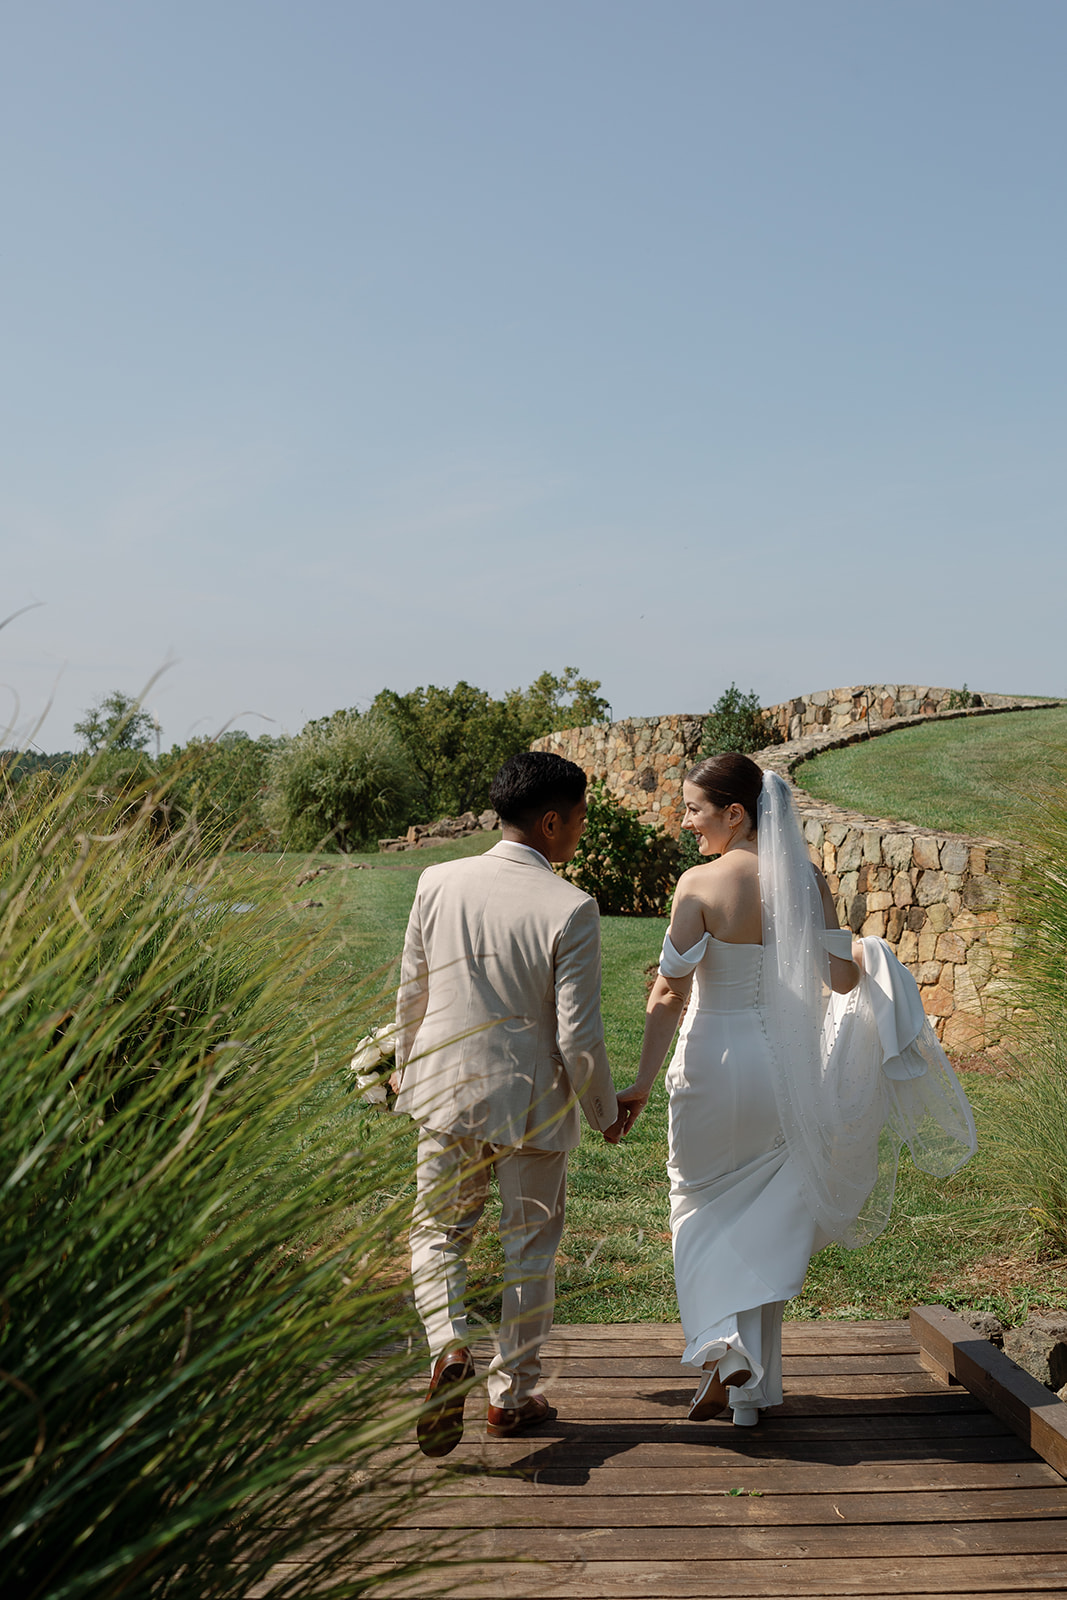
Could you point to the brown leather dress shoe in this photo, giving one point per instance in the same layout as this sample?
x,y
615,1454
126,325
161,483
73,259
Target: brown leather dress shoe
x,y
440,1425
502,1422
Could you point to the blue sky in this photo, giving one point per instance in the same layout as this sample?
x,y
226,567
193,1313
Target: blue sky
x,y
350,345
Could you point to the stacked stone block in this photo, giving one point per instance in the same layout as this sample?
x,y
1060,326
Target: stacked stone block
x,y
838,710
941,901
642,761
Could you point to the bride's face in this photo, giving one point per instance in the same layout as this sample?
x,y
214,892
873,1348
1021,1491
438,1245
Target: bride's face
x,y
715,826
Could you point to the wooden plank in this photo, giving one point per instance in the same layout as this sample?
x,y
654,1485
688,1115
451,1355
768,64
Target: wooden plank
x,y
582,1400
667,1408
796,1336
667,1338
797,1579
796,1366
678,1386
1034,1413
976,1435
836,1440
783,1477
827,1326
742,1505
845,1542
654,1461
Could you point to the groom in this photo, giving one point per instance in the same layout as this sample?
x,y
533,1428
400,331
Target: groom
x,y
499,1037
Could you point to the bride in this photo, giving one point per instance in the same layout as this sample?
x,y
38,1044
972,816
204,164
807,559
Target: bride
x,y
791,1066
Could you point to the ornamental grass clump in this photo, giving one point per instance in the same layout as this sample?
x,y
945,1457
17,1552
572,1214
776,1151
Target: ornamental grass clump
x,y
343,782
1031,1133
200,1235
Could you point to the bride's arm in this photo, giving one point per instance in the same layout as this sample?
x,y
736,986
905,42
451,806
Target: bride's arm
x,y
844,975
665,1006
666,1003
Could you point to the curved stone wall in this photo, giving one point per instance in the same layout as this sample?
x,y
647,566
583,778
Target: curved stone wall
x,y
840,710
642,761
942,901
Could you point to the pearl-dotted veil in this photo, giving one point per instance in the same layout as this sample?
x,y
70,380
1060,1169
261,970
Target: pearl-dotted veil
x,y
845,1106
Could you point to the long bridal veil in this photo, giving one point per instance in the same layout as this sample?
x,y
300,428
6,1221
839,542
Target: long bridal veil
x,y
856,1076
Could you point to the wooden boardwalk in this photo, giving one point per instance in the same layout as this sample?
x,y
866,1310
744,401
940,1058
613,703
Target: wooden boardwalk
x,y
873,1479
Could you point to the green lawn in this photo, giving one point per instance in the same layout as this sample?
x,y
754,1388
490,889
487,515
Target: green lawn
x,y
947,1241
976,775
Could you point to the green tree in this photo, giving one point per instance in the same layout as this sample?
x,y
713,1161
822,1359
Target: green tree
x,y
118,722
456,739
736,722
628,866
551,702
341,783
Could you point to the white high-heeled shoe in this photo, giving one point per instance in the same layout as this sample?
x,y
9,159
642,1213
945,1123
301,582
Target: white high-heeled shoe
x,y
731,1371
745,1416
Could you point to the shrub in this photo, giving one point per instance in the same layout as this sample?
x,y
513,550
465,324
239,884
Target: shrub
x,y
195,1232
737,722
628,866
221,785
341,783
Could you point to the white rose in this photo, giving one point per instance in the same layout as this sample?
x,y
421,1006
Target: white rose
x,y
373,1051
372,1054
371,1089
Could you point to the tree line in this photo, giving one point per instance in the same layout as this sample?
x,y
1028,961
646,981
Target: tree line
x,y
339,784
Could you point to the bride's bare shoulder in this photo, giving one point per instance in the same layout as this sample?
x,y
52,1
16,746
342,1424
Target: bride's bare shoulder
x,y
702,881
692,881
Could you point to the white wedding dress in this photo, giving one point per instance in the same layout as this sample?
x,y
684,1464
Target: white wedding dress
x,y
742,1234
789,1106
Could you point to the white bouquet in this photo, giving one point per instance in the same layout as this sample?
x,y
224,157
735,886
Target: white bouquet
x,y
372,1065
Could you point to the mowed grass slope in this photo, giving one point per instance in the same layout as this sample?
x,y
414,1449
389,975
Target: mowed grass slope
x,y
974,775
948,1241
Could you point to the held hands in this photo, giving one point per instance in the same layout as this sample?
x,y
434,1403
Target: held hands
x,y
632,1102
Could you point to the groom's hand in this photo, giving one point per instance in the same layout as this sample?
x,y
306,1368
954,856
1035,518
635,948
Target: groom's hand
x,y
632,1102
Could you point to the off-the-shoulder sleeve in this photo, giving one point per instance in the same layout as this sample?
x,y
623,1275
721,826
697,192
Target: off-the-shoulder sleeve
x,y
674,965
839,942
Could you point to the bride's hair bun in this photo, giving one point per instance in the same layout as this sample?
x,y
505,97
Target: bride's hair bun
x,y
729,779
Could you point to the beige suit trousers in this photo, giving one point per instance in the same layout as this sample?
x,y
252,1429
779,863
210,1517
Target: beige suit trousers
x,y
453,1184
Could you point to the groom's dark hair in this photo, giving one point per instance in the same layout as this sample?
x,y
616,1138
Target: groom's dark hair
x,y
533,782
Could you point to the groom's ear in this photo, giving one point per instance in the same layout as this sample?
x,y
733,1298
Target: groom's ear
x,y
551,824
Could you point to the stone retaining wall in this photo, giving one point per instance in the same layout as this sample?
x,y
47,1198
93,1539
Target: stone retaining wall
x,y
642,761
942,901
838,710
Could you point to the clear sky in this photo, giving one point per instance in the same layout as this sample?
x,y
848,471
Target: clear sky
x,y
364,343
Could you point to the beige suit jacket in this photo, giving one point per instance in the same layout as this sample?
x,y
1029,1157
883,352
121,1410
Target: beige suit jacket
x,y
498,1016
